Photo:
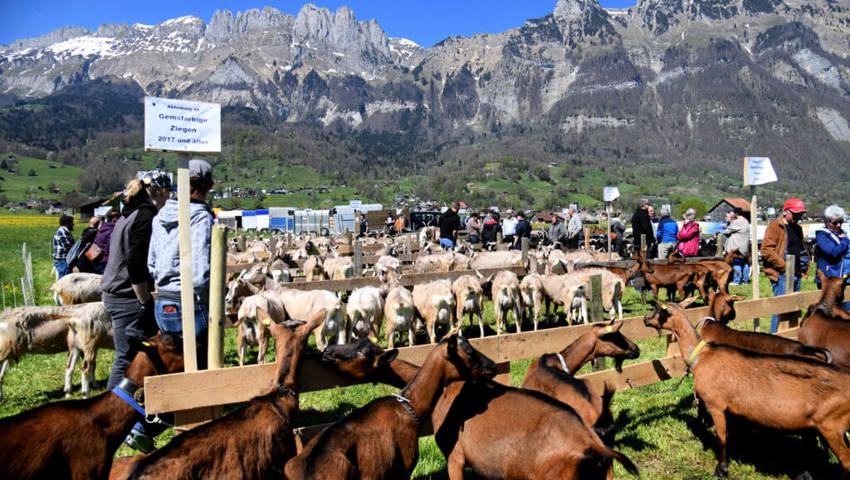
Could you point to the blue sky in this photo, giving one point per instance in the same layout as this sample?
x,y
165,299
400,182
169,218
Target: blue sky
x,y
423,21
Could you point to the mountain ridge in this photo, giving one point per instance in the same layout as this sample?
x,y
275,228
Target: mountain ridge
x,y
678,83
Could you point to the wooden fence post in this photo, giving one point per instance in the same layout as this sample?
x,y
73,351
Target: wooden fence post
x,y
586,238
524,244
595,312
358,259
720,241
218,256
240,243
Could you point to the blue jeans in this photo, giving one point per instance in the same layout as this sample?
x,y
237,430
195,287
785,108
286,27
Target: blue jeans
x,y
740,271
447,243
169,317
62,268
779,289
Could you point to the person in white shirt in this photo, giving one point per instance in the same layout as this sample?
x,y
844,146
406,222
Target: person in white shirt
x,y
509,226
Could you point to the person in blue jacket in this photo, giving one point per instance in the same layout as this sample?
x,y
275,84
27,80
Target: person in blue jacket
x,y
832,247
665,235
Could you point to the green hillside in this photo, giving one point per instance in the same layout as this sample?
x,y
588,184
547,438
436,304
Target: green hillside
x,y
27,178
512,181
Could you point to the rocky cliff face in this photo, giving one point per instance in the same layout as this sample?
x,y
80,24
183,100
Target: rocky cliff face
x,y
704,79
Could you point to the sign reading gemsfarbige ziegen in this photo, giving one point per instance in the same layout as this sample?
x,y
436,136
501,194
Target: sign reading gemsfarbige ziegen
x,y
182,126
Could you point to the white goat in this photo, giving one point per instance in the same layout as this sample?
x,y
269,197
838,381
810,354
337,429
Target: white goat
x,y
441,262
77,288
612,289
506,297
73,328
435,304
469,298
399,314
314,268
251,330
89,328
365,310
567,290
300,304
533,295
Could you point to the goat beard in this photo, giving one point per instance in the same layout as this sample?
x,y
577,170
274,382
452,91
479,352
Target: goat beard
x,y
618,365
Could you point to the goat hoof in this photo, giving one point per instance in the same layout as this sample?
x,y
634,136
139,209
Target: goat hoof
x,y
804,476
720,471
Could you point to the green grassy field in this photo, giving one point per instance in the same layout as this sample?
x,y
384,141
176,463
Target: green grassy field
x,y
658,424
34,178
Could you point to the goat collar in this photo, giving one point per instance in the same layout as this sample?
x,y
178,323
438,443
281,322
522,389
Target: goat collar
x,y
563,363
693,356
131,394
405,402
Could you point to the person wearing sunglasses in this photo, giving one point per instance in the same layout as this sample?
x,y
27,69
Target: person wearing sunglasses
x,y
832,247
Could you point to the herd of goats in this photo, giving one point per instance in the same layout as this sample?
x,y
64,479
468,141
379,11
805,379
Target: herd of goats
x,y
555,426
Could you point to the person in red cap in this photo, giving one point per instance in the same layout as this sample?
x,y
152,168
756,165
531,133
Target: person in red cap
x,y
784,236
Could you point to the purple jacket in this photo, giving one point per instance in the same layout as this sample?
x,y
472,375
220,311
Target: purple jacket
x,y
102,240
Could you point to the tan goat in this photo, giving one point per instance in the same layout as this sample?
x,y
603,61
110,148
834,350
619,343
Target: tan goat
x,y
435,304
469,298
506,297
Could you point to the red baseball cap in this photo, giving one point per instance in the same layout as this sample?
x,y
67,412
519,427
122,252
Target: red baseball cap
x,y
794,205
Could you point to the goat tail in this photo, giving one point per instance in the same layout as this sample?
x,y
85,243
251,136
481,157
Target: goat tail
x,y
624,460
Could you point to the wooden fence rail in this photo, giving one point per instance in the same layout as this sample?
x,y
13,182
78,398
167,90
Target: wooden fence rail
x,y
186,391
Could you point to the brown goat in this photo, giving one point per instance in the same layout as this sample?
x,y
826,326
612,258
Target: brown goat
x,y
486,413
671,276
781,392
820,329
77,438
722,311
832,296
252,442
380,440
553,374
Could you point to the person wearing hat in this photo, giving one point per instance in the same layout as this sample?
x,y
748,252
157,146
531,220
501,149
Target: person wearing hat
x,y
509,226
784,236
126,282
523,230
688,236
737,245
164,257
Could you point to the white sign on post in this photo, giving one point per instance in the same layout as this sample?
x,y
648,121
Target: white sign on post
x,y
758,171
182,126
609,194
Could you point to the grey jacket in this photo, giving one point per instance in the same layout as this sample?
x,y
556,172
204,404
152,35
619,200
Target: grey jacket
x,y
164,254
738,236
574,227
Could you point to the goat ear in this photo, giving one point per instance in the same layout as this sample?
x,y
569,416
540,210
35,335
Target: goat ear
x,y
737,298
387,356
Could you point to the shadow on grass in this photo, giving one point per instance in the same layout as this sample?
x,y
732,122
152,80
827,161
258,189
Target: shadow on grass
x,y
770,451
309,416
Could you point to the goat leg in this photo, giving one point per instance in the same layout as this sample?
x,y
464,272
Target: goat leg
x,y
3,368
73,354
719,419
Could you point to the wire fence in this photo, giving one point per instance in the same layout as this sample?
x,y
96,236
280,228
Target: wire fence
x,y
20,291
